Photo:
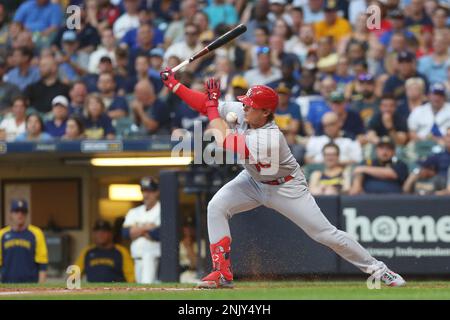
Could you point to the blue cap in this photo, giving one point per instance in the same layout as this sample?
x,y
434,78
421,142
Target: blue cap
x,y
19,205
157,52
438,88
102,225
429,163
69,36
406,56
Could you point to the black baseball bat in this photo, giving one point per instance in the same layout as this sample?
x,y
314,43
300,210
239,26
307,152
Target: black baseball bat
x,y
220,41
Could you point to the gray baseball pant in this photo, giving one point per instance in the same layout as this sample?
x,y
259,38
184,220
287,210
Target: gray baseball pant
x,y
293,200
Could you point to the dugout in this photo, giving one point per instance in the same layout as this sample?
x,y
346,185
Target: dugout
x,y
67,192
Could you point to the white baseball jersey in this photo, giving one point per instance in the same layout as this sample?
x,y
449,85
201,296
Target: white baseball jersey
x,y
139,216
270,156
422,119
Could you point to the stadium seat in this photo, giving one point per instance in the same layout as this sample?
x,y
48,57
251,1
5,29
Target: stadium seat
x,y
308,169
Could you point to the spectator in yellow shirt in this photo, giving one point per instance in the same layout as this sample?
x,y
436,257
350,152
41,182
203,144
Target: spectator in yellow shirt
x,y
332,25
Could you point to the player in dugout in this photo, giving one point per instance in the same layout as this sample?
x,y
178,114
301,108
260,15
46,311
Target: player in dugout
x,y
23,251
105,261
271,177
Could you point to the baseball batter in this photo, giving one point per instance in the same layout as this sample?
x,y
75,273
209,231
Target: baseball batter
x,y
272,177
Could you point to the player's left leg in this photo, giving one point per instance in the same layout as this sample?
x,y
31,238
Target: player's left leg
x,y
304,211
238,195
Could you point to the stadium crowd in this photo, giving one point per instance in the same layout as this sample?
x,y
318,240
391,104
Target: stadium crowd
x,y
364,94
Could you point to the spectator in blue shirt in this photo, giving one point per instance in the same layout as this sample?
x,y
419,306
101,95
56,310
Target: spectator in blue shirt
x,y
23,73
442,159
72,63
77,94
352,123
144,44
156,66
434,66
287,115
417,18
116,106
97,124
105,65
406,69
150,114
87,35
39,16
131,36
258,20
142,67
60,111
397,19
381,175
221,12
318,106
288,118
34,130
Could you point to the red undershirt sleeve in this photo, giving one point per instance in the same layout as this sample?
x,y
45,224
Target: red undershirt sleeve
x,y
195,99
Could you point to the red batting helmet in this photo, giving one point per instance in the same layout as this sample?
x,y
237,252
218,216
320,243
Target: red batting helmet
x,y
260,97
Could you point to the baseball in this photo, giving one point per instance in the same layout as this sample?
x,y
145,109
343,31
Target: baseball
x,y
231,117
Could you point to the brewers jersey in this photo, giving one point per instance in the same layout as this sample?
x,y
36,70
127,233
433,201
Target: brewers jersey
x,y
22,254
106,265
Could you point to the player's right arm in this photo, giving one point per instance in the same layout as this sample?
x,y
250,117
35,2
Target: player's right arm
x,y
195,99
130,229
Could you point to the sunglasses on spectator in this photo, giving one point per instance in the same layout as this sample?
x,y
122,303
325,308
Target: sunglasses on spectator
x,y
262,50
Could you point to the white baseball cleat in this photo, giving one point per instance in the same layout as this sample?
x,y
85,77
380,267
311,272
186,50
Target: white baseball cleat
x,y
392,279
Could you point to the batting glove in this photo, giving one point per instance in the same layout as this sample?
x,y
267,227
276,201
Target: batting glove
x,y
168,78
212,87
